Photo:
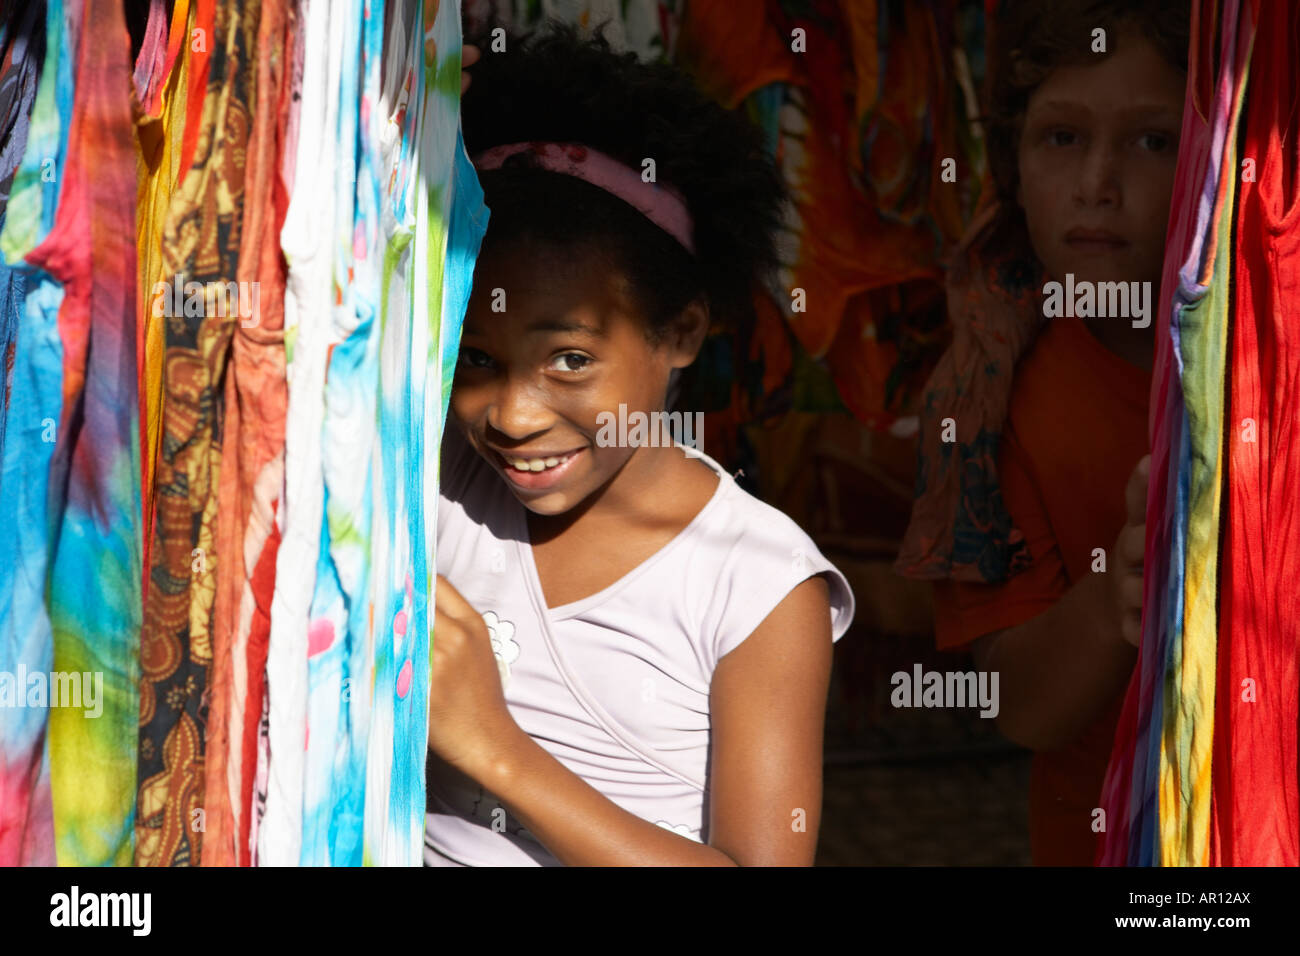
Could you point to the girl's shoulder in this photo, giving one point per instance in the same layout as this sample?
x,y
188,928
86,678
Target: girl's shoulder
x,y
752,556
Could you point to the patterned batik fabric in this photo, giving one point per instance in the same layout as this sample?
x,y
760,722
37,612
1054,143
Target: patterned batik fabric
x,y
162,72
251,465
201,244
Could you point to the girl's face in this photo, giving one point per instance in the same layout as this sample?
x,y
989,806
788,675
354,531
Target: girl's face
x,y
551,340
1097,155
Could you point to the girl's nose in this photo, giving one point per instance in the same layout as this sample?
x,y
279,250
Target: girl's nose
x,y
518,411
1099,180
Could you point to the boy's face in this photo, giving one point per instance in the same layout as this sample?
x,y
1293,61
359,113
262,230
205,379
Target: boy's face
x,y
1097,155
533,378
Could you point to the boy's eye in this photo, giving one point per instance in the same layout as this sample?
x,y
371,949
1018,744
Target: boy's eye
x,y
1062,137
474,358
1155,142
570,362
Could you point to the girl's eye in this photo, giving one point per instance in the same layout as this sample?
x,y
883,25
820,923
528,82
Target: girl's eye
x,y
570,362
474,358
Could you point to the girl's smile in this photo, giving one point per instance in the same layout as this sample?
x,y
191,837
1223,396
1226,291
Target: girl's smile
x,y
535,377
537,471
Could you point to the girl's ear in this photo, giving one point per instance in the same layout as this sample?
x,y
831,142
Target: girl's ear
x,y
686,334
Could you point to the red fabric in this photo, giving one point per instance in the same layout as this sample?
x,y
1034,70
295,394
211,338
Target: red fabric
x,y
1256,804
263,584
1232,40
201,39
256,397
1076,429
268,343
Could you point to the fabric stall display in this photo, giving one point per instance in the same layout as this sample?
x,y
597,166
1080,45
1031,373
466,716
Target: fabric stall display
x,y
873,214
1203,771
220,456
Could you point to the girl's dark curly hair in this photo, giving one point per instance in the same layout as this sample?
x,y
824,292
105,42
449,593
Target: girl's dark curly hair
x,y
1033,38
552,85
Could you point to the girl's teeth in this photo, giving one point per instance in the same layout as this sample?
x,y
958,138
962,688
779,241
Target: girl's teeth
x,y
536,464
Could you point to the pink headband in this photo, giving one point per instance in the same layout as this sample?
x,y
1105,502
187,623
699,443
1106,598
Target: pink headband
x,y
661,204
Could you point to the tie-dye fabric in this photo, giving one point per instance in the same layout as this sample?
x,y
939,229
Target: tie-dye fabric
x,y
434,220
22,53
308,563
1188,725
93,586
1175,803
380,263
32,416
338,651
1157,794
307,242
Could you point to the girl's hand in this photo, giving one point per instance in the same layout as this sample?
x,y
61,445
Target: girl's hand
x,y
1130,546
469,55
469,724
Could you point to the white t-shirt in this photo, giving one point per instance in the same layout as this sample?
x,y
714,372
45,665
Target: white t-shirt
x,y
615,686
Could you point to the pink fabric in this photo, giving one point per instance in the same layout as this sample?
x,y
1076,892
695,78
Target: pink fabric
x,y
661,204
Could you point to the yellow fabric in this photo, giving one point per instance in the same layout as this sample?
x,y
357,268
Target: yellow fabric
x,y
1186,745
159,139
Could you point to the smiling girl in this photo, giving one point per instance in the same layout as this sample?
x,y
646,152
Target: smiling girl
x,y
631,653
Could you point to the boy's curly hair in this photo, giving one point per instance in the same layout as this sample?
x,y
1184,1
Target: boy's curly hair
x,y
1033,38
552,85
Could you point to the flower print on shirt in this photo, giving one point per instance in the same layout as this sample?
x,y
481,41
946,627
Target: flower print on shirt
x,y
504,646
681,829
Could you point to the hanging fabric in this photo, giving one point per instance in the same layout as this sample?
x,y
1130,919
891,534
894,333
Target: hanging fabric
x,y
94,576
232,305
1203,770
32,409
1256,794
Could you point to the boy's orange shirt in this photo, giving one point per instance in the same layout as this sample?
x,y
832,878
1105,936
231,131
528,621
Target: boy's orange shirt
x,y
1076,429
